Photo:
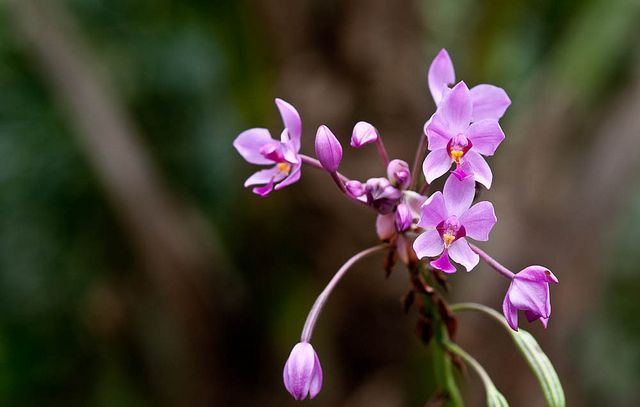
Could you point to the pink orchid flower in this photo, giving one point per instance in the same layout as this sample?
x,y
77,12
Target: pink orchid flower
x,y
453,138
529,292
257,147
447,219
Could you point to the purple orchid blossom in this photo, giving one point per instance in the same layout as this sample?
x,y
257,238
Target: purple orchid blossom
x,y
529,292
488,101
257,147
453,138
302,373
448,218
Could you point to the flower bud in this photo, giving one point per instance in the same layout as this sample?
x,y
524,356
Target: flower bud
x,y
328,149
529,292
381,195
355,188
302,373
403,217
363,133
399,174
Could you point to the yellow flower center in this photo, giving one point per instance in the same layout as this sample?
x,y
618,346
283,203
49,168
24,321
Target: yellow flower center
x,y
284,167
448,239
456,154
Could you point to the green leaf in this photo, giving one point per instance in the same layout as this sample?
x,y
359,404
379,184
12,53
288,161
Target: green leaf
x,y
533,354
494,397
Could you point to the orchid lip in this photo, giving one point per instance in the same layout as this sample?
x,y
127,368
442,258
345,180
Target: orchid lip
x,y
450,230
458,146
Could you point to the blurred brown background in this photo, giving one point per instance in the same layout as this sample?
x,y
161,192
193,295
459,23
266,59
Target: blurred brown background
x,y
136,270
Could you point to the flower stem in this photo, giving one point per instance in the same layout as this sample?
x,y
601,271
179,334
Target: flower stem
x,y
492,262
316,164
309,324
422,147
382,152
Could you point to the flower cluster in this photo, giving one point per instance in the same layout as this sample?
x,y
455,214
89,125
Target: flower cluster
x,y
422,228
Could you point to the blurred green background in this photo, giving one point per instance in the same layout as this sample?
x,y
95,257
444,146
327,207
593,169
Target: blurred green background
x,y
136,270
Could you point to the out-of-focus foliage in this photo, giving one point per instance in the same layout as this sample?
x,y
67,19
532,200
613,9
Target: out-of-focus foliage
x,y
79,322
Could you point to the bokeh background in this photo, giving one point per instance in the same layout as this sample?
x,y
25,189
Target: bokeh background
x,y
135,270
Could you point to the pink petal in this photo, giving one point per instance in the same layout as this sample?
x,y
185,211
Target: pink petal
x,y
294,176
428,244
489,102
435,164
291,120
530,296
479,220
264,190
438,133
265,176
510,312
461,253
486,136
463,171
385,226
433,211
481,171
415,201
248,144
289,150
316,380
456,109
443,263
441,74
538,273
458,195
363,133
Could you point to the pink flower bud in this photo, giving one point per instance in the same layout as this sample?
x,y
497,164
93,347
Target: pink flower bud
x,y
403,217
328,149
355,188
363,133
529,292
399,174
302,373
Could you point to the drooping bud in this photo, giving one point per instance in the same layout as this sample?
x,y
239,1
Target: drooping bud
x,y
529,292
382,195
363,133
355,188
328,149
403,217
302,373
399,174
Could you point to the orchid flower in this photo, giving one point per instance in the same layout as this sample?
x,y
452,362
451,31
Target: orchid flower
x,y
488,101
448,218
257,147
529,292
453,138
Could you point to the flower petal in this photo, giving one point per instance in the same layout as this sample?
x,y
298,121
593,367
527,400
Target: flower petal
x,y
486,136
316,379
530,296
437,131
489,102
415,201
443,263
510,312
265,176
441,74
248,144
363,133
428,244
433,211
291,120
385,226
481,171
461,253
458,195
264,190
456,109
294,176
435,164
479,220
537,273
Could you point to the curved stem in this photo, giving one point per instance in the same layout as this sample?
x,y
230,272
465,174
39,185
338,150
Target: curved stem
x,y
415,175
472,306
492,262
382,152
309,324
